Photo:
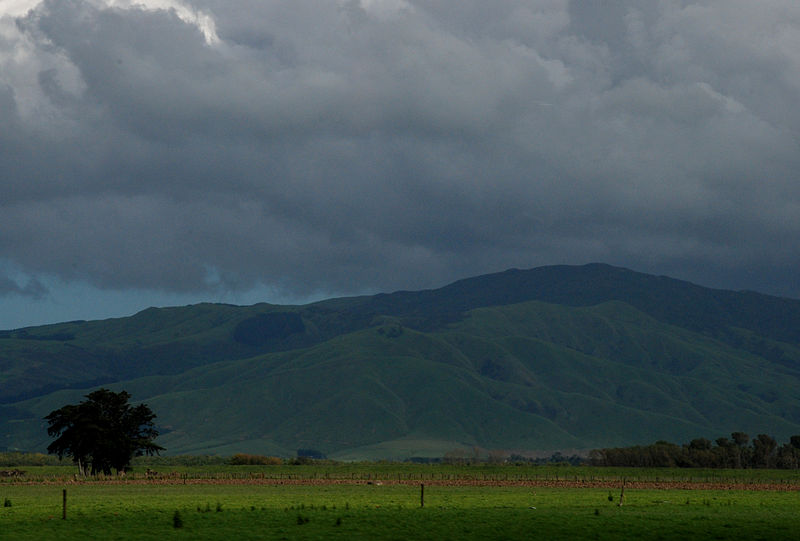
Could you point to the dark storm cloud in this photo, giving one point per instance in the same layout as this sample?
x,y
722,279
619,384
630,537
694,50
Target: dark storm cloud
x,y
351,146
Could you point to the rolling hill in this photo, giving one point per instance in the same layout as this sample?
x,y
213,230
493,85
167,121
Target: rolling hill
x,y
550,358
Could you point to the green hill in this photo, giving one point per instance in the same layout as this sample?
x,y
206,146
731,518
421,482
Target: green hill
x,y
545,359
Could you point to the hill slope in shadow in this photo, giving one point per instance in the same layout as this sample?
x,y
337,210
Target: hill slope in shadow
x,y
549,358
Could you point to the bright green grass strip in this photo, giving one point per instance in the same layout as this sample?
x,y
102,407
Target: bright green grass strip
x,y
392,512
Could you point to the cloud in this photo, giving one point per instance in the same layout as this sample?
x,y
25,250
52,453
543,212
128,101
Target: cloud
x,y
348,146
32,289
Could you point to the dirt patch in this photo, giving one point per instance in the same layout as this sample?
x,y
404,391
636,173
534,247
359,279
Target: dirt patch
x,y
533,483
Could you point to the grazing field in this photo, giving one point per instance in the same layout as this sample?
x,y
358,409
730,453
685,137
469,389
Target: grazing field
x,y
382,502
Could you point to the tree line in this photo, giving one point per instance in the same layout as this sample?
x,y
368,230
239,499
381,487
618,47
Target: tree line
x,y
738,451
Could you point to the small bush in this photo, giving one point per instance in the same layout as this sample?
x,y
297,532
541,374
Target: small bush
x,y
302,520
243,459
6,502
177,520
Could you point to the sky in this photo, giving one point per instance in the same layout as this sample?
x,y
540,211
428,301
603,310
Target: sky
x,y
167,152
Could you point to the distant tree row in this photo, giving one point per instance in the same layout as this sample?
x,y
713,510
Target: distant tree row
x,y
16,458
478,455
738,451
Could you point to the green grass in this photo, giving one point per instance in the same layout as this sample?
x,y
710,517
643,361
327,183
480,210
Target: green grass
x,y
390,512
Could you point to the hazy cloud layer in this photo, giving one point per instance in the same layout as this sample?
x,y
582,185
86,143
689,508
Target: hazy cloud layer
x,y
33,289
347,146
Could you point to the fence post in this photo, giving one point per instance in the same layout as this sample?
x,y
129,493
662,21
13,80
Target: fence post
x,y
64,504
422,495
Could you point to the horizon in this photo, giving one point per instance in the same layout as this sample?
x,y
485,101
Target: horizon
x,y
334,297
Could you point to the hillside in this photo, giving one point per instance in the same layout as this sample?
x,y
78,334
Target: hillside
x,y
549,358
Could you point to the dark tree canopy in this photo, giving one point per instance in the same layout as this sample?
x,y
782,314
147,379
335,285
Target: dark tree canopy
x,y
700,453
103,432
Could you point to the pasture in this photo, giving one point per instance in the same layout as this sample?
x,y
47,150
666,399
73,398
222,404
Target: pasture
x,y
383,502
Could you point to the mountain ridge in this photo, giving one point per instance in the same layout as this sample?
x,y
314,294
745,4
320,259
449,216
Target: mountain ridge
x,y
552,357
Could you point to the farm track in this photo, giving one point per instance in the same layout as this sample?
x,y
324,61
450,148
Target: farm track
x,y
523,483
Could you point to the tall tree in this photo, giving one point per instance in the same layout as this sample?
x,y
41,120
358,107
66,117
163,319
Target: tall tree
x,y
103,432
764,447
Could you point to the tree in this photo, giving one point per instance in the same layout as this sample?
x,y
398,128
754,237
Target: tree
x,y
700,444
764,447
740,438
744,453
103,432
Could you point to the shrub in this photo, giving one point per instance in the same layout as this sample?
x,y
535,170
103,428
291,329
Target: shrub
x,y
8,459
242,459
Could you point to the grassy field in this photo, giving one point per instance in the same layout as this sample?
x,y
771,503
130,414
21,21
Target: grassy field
x,y
209,508
391,512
